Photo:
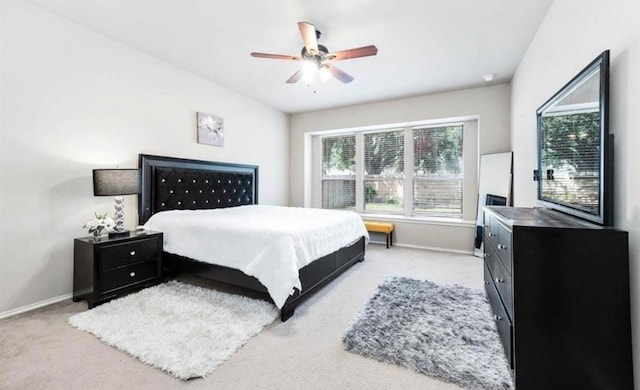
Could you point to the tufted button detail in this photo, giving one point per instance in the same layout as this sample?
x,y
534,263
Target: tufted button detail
x,y
234,188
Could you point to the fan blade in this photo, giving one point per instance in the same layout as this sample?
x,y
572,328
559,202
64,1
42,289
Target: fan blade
x,y
363,51
337,73
275,56
308,32
295,77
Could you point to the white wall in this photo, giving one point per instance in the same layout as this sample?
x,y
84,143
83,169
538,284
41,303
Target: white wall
x,y
490,104
572,34
72,101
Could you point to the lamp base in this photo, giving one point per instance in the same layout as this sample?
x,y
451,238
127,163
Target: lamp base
x,y
124,233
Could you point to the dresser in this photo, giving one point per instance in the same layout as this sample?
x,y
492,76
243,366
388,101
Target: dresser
x,y
559,292
106,268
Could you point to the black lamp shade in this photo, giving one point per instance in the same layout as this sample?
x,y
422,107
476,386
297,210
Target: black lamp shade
x,y
116,182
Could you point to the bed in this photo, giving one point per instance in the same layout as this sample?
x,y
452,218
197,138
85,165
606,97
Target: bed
x,y
188,187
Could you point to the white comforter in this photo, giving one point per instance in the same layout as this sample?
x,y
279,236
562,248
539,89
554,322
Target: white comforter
x,y
270,243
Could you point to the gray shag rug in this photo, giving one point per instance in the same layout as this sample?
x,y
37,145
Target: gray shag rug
x,y
445,332
179,328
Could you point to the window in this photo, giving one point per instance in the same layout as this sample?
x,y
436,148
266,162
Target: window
x,y
437,171
384,172
407,171
339,172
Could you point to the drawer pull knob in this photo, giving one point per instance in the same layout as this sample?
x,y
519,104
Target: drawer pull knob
x,y
132,274
499,280
497,318
500,246
133,253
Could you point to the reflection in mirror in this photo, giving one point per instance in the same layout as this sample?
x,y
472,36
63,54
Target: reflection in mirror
x,y
573,140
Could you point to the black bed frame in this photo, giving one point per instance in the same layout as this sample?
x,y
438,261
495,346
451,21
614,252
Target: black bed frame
x,y
169,183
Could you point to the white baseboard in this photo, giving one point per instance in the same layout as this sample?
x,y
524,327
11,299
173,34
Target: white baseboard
x,y
34,306
433,248
430,248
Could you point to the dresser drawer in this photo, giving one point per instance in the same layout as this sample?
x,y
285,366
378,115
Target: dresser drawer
x,y
491,259
503,323
117,255
503,247
491,231
125,276
501,279
499,238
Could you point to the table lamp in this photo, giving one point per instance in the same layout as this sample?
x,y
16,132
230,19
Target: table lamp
x,y
116,182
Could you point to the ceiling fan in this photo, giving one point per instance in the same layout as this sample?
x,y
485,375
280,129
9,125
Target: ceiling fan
x,y
317,58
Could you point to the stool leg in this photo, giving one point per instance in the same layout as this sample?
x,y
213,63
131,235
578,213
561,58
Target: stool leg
x,y
387,240
391,238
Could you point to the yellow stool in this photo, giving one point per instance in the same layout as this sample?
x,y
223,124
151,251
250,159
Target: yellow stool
x,y
381,227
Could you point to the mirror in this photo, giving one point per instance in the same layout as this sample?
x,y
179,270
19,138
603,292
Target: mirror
x,y
494,188
573,137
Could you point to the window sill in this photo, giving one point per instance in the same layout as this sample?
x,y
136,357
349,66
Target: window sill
x,y
420,220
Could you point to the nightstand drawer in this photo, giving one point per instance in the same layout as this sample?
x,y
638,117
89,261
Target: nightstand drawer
x,y
125,276
117,255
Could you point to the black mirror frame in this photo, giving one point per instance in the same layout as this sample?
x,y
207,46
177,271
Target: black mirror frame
x,y
604,216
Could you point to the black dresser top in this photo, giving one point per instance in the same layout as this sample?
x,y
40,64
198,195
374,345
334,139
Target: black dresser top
x,y
539,217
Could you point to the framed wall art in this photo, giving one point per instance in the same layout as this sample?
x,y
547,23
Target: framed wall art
x,y
210,129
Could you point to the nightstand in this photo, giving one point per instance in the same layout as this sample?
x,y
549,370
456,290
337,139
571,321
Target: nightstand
x,y
106,268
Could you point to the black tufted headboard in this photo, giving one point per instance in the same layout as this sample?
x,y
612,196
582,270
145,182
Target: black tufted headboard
x,y
169,183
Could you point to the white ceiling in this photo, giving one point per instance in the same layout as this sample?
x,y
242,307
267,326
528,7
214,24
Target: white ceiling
x,y
424,46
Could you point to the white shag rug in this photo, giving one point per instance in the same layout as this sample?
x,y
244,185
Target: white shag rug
x,y
180,328
445,332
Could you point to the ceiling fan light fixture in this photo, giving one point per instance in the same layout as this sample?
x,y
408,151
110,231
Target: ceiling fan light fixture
x,y
324,73
316,58
309,70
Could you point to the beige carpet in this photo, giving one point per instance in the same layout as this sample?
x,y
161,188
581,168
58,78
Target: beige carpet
x,y
39,350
